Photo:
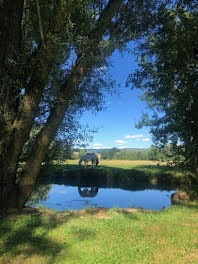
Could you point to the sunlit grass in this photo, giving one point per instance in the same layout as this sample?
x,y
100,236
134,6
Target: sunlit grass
x,y
146,166
152,172
101,236
126,164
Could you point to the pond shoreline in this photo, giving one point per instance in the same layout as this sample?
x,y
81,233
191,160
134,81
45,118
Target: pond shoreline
x,y
97,211
178,199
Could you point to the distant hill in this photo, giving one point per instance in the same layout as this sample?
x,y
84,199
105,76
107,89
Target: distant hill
x,y
99,150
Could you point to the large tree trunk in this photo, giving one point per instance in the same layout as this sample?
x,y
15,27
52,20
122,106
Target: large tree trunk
x,y
10,46
15,136
16,122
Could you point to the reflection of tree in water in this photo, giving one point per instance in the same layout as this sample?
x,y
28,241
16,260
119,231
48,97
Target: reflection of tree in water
x,y
40,194
88,191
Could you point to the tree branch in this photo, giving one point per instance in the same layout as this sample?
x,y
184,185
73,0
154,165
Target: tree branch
x,y
40,23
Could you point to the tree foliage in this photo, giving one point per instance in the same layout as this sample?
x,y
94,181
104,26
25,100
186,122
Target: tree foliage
x,y
152,153
168,75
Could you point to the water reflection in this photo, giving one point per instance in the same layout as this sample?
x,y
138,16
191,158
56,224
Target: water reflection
x,y
40,194
80,188
87,192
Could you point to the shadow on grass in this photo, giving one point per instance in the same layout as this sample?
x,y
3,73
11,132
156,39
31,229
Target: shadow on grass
x,y
27,235
24,240
82,234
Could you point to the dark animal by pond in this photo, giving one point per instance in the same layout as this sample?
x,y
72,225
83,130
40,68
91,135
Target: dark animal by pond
x,y
89,157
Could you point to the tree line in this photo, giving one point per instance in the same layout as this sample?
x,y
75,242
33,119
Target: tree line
x,y
153,153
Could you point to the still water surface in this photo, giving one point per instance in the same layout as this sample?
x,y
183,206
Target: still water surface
x,y
102,188
61,197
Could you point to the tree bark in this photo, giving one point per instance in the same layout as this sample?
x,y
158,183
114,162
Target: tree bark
x,y
11,13
15,130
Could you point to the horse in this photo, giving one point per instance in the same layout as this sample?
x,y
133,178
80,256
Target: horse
x,y
89,157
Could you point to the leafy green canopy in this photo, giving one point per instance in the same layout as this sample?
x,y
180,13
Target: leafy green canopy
x,y
168,75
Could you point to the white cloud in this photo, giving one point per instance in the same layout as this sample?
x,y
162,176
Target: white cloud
x,y
97,145
146,139
135,136
120,141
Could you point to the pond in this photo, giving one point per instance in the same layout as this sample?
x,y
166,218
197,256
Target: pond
x,y
95,188
62,197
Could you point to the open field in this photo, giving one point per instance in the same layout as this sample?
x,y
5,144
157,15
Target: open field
x,y
150,173
121,163
145,169
99,236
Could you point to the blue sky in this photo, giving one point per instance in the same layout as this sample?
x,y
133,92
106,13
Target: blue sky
x,y
116,124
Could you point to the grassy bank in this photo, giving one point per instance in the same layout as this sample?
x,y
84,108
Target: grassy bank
x,y
101,236
146,166
126,172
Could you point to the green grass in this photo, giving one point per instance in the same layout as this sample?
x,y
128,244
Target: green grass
x,y
99,236
146,166
128,172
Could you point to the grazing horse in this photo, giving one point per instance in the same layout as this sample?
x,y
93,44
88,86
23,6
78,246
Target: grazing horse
x,y
89,157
